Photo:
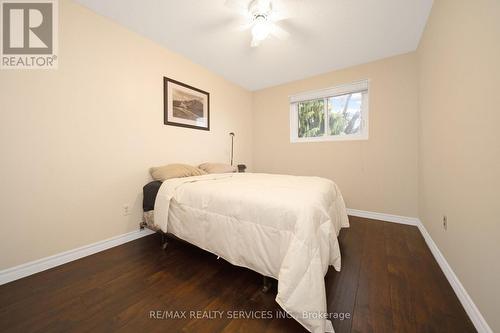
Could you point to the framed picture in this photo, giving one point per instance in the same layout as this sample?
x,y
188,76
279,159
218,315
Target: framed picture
x,y
185,106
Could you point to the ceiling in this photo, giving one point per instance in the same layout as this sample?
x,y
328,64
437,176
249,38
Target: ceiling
x,y
324,34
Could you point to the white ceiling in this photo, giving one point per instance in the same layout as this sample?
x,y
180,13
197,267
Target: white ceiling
x,y
324,34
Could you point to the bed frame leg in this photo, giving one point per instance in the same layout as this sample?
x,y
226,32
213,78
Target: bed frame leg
x,y
163,241
266,284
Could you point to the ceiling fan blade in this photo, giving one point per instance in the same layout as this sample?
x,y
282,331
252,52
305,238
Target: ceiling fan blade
x,y
279,32
277,16
244,26
260,6
240,6
283,10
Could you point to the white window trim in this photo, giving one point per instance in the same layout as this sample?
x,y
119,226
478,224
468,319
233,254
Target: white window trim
x,y
326,93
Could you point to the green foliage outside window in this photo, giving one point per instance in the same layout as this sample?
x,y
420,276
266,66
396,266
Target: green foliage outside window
x,y
311,118
343,112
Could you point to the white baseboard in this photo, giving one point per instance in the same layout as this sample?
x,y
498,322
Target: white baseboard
x,y
470,308
467,302
383,217
17,272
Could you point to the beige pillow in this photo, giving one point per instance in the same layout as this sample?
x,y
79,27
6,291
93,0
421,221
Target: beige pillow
x,y
217,168
175,171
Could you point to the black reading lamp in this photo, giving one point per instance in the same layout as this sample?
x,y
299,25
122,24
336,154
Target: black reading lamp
x,y
241,167
232,146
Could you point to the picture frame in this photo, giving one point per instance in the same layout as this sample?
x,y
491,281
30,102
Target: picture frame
x,y
185,105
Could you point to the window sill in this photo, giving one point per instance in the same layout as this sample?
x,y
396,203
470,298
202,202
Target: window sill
x,y
330,138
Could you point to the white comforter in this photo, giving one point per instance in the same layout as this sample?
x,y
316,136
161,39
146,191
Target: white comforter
x,y
281,226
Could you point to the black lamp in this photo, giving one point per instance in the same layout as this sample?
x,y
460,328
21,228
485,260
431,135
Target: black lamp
x,y
232,146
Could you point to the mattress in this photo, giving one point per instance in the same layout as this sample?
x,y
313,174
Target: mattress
x,y
149,192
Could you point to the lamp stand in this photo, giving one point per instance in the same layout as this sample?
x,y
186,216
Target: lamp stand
x,y
232,146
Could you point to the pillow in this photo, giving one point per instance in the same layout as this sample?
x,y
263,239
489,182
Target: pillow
x,y
217,168
175,171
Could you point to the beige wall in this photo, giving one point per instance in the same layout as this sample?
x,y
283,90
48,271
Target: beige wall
x,y
76,143
379,174
460,143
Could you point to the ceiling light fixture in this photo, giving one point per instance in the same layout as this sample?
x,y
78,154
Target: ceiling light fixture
x,y
261,18
261,28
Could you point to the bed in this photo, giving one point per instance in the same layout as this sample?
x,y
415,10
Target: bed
x,y
280,226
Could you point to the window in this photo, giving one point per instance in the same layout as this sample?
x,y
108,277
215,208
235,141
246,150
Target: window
x,y
339,113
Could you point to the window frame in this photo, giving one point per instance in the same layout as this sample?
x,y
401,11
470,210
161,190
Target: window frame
x,y
325,94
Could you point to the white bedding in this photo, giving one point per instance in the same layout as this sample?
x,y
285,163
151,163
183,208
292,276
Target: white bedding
x,y
281,226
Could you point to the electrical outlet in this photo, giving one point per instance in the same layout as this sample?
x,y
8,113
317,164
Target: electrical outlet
x,y
445,222
126,210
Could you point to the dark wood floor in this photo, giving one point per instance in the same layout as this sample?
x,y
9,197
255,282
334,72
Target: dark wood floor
x,y
389,283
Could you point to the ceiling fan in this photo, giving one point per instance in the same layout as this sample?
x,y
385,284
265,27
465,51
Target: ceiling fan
x,y
261,17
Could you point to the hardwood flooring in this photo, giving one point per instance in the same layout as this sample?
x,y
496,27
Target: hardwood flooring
x,y
389,282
